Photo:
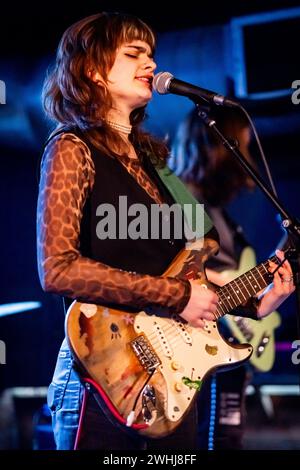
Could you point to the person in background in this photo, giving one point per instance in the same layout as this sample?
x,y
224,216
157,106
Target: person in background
x,y
96,94
216,178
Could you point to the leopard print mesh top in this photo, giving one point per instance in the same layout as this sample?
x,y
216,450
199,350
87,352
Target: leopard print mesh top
x,y
67,179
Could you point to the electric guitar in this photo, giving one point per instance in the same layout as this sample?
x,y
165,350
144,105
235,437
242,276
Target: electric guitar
x,y
259,333
147,369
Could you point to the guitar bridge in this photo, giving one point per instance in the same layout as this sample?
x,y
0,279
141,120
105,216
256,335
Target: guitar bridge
x,y
145,353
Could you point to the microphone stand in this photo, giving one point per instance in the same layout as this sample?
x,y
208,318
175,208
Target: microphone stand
x,y
289,223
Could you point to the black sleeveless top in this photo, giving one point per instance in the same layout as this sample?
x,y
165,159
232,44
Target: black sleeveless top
x,y
112,180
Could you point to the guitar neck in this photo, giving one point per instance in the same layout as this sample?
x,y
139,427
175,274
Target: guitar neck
x,y
238,291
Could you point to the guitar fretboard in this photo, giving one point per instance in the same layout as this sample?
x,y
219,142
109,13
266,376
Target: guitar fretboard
x,y
238,291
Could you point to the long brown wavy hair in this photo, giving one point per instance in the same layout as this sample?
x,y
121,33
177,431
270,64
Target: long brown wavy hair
x,y
72,99
199,157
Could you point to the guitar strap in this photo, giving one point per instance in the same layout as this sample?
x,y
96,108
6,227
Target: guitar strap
x,y
182,196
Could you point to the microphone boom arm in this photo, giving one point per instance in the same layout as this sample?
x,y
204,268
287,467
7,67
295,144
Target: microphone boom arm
x,y
288,222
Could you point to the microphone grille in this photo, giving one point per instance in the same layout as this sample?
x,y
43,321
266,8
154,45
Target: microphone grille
x,y
161,82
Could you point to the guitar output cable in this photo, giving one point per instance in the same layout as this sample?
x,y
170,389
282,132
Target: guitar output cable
x,y
130,417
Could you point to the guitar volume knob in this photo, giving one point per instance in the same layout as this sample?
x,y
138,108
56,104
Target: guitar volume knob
x,y
175,365
178,386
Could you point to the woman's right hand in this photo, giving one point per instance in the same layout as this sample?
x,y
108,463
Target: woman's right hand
x,y
201,306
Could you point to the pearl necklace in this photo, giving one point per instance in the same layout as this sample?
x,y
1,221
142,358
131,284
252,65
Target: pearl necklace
x,y
120,127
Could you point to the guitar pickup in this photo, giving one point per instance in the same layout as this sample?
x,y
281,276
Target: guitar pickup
x,y
262,345
145,353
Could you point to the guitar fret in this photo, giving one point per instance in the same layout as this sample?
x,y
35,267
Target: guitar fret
x,y
235,292
227,305
266,275
250,278
225,298
240,290
218,313
241,278
223,312
223,302
263,266
263,284
229,297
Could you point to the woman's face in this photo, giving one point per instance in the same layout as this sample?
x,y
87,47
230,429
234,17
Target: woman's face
x,y
130,78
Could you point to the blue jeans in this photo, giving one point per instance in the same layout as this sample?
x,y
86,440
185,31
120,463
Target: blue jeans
x,y
64,399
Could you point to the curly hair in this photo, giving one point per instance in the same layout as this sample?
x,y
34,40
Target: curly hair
x,y
72,99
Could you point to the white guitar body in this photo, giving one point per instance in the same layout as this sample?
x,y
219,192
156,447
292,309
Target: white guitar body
x,y
187,355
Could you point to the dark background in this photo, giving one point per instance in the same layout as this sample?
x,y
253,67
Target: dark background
x,y
188,35
31,29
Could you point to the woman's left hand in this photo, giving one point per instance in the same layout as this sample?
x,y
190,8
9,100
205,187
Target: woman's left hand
x,y
281,288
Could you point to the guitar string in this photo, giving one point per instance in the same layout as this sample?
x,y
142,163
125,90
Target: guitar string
x,y
218,314
172,344
172,325
174,341
229,290
227,299
156,341
177,337
246,281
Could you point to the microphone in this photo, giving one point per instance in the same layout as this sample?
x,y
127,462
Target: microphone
x,y
164,82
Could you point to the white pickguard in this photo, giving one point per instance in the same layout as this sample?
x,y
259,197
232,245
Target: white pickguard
x,y
186,353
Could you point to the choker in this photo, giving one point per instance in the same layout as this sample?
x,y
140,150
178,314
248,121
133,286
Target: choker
x,y
120,127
